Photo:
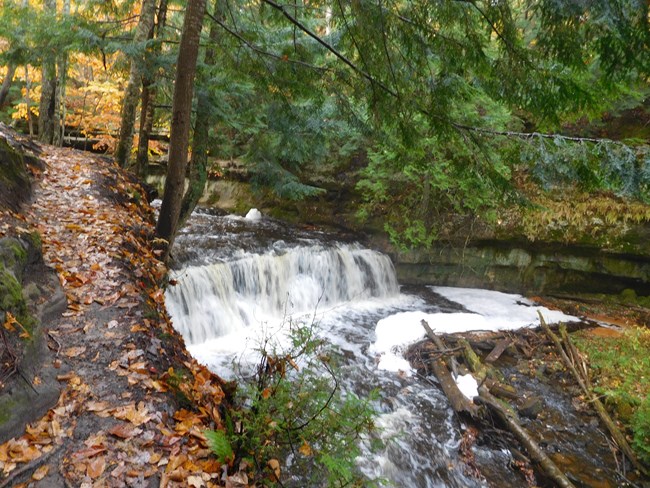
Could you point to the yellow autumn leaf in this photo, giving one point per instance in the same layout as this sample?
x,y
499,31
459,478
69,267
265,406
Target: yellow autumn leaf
x,y
305,449
40,473
274,464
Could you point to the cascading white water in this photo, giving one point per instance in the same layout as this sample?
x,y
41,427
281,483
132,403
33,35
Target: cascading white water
x,y
217,299
228,303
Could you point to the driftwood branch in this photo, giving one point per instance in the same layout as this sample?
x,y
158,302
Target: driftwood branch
x,y
615,432
534,450
440,345
498,350
459,402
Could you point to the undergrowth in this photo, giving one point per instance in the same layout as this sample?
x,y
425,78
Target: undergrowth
x,y
621,367
293,424
572,215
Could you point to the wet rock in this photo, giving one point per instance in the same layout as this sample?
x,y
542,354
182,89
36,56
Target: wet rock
x,y
531,407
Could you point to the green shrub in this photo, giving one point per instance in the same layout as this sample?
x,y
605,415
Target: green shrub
x,y
293,408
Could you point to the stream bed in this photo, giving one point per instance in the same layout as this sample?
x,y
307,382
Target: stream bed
x,y
240,280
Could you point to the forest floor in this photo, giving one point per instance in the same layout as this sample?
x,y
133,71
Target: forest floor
x,y
123,371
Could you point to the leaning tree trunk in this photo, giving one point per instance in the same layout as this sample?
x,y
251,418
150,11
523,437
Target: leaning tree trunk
x,y
199,162
180,129
132,91
147,110
6,84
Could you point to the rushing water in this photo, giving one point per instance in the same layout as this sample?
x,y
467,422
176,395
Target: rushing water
x,y
241,280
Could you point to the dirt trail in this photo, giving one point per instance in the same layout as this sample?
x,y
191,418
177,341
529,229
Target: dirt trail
x,y
117,421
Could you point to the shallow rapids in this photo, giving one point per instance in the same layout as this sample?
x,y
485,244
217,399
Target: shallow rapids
x,y
244,281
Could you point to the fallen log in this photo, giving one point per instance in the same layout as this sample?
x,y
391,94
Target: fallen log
x,y
473,361
440,345
498,350
534,450
459,402
615,432
501,390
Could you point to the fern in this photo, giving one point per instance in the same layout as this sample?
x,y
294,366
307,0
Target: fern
x,y
220,445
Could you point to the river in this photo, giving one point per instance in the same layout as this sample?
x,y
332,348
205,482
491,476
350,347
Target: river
x,y
240,280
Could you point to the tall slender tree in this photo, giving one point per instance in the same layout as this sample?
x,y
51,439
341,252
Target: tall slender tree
x,y
149,91
59,93
132,91
180,128
204,110
47,113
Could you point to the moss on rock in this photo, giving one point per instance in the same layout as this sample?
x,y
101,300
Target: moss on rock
x,y
15,185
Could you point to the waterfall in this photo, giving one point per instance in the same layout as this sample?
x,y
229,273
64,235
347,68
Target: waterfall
x,y
217,299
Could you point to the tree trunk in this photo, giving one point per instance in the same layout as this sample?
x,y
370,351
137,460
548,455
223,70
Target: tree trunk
x,y
28,102
47,105
199,162
59,93
6,84
132,91
534,450
180,128
147,111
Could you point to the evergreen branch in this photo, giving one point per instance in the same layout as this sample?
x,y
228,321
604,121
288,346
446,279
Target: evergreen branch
x,y
329,47
424,111
385,43
354,39
258,50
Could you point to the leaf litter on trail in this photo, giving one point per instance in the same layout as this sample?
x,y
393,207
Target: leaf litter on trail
x,y
100,250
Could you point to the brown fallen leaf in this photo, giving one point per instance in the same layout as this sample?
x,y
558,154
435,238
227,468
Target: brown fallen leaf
x,y
195,481
136,415
101,409
88,453
274,464
96,467
124,431
74,351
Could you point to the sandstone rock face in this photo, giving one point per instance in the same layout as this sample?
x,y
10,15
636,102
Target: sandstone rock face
x,y
523,268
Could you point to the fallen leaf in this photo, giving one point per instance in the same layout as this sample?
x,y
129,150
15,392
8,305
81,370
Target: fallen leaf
x,y
66,377
96,467
88,453
274,464
99,408
74,351
195,481
305,449
124,431
136,415
40,473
